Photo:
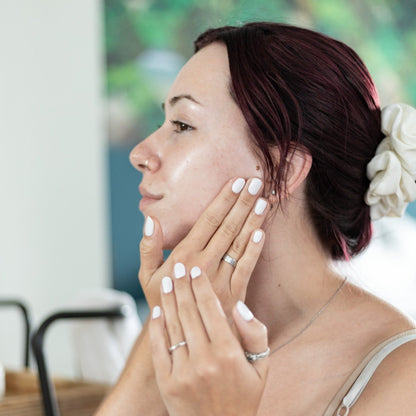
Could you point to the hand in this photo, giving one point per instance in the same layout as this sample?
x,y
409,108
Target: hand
x,y
226,226
210,374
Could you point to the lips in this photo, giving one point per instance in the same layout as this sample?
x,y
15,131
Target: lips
x,y
147,197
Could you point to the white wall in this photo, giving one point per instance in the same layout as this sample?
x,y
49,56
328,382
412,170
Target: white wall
x,y
53,179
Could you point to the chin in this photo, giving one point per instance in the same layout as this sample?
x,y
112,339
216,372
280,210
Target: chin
x,y
173,234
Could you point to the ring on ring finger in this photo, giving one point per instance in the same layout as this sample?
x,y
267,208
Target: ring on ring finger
x,y
230,260
177,345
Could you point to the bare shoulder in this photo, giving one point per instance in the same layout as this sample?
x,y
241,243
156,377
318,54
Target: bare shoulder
x,y
391,390
380,319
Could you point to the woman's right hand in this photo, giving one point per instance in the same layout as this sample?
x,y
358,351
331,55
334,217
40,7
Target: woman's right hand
x,y
229,225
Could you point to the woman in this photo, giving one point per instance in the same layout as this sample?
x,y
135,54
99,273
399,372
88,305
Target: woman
x,y
288,120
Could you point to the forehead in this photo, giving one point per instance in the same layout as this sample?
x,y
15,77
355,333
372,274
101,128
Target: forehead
x,y
206,76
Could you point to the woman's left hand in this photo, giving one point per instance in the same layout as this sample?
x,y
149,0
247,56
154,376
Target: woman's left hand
x,y
209,374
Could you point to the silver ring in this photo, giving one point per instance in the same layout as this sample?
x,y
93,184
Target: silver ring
x,y
230,260
251,356
174,346
146,164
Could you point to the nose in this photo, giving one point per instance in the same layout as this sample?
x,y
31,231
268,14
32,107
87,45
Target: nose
x,y
143,158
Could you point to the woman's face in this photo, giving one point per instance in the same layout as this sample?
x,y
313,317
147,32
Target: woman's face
x,y
202,143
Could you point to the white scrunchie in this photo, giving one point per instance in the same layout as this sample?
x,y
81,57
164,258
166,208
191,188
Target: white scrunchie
x,y
392,171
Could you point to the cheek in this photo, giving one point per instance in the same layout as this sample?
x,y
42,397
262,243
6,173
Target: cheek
x,y
191,193
196,181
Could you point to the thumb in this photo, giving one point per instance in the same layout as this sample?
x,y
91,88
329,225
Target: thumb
x,y
253,337
151,249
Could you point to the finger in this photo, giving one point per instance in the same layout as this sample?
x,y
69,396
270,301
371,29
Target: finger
x,y
157,334
233,222
151,249
189,316
172,323
246,264
253,336
254,220
209,306
213,216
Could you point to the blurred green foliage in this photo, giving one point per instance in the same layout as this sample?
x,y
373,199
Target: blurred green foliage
x,y
383,32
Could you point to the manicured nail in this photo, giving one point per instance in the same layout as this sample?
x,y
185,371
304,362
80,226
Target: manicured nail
x,y
238,185
195,272
244,312
149,227
254,186
179,270
167,284
257,236
261,205
156,312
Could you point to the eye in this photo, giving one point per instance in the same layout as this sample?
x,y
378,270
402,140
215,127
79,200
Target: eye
x,y
180,127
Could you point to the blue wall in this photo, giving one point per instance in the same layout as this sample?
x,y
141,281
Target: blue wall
x,y
126,221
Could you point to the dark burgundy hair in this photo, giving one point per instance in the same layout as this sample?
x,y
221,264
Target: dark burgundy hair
x,y
299,87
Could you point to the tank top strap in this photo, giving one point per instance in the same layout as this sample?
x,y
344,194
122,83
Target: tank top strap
x,y
350,392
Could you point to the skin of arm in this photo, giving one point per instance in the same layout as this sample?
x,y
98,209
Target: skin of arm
x,y
137,376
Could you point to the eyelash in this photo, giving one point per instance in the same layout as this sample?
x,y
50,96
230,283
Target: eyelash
x,y
181,127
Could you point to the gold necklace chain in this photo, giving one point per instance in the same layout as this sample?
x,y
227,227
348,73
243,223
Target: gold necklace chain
x,y
314,318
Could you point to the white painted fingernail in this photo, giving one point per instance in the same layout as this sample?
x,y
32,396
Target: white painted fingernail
x,y
149,227
257,236
156,312
261,205
179,270
244,311
238,185
167,284
195,272
254,186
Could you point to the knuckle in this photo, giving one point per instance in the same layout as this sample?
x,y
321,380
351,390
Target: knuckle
x,y
246,201
212,219
205,263
238,245
207,370
230,228
205,300
263,332
173,389
185,310
231,356
141,275
186,379
230,197
146,247
179,256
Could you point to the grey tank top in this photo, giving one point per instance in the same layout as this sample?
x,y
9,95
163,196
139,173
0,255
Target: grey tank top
x,y
359,378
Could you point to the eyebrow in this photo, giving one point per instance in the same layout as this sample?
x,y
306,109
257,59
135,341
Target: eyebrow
x,y
177,98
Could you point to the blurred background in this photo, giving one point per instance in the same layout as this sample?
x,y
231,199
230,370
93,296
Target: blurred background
x,y
81,83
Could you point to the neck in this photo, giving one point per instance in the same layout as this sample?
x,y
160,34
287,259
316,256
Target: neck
x,y
292,279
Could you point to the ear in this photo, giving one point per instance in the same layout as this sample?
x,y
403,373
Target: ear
x,y
299,164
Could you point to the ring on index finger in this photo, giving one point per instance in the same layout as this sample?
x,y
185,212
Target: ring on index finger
x,y
230,260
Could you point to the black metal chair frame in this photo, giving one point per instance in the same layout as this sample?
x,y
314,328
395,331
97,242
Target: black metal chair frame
x,y
6,303
49,399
